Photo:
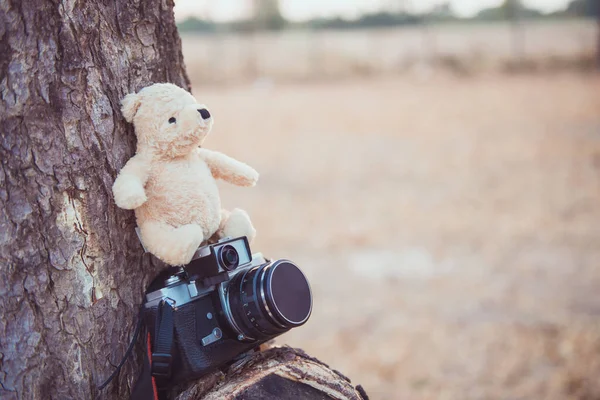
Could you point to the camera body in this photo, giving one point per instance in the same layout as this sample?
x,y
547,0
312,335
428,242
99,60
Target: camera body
x,y
225,302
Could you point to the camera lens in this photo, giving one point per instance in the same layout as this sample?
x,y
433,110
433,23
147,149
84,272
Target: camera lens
x,y
287,294
269,299
228,257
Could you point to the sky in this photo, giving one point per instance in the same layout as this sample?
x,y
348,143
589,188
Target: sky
x,y
300,10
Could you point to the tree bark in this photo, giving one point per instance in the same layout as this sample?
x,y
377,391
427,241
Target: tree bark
x,y
280,373
72,271
598,37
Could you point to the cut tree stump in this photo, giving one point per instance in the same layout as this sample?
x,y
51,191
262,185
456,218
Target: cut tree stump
x,y
281,373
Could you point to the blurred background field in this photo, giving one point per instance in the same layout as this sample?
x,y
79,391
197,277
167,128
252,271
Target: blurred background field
x,y
439,184
460,49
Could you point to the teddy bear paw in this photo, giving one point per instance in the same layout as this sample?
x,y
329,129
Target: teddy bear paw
x,y
129,193
252,177
238,224
247,177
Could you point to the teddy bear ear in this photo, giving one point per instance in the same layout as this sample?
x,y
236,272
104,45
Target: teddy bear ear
x,y
130,105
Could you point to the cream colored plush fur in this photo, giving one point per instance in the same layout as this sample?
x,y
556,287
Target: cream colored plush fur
x,y
170,182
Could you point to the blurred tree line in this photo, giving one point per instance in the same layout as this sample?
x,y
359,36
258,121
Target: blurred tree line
x,y
266,15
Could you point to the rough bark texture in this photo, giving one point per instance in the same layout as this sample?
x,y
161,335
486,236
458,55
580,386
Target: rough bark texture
x,y
72,271
279,373
598,39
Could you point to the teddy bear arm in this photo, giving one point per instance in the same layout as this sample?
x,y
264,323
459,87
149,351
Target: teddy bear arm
x,y
229,169
128,188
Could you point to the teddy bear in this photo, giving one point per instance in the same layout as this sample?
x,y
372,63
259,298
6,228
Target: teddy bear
x,y
171,180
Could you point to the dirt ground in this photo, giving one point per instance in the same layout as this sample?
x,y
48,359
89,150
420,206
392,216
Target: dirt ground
x,y
449,227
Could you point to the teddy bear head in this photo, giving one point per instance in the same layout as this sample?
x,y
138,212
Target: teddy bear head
x,y
167,119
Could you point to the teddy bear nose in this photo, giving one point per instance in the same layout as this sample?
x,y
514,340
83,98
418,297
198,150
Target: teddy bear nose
x,y
204,113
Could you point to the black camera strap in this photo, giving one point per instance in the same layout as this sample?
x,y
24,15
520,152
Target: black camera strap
x,y
157,361
145,385
162,354
136,333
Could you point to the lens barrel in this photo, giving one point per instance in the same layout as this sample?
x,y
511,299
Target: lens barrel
x,y
269,299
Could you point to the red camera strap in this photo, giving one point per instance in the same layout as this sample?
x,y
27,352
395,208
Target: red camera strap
x,y
157,361
145,386
149,349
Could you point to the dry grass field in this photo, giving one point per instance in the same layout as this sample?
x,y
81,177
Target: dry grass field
x,y
449,226
465,49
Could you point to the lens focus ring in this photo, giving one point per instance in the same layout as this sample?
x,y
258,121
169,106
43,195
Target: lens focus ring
x,y
270,299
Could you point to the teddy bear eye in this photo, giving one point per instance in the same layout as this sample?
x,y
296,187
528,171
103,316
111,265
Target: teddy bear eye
x,y
172,120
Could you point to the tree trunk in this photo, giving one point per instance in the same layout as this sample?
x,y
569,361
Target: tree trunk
x,y
72,271
598,37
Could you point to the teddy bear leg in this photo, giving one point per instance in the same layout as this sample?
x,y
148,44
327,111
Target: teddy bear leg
x,y
174,246
236,223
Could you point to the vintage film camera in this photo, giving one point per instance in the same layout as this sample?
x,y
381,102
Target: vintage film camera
x,y
225,302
